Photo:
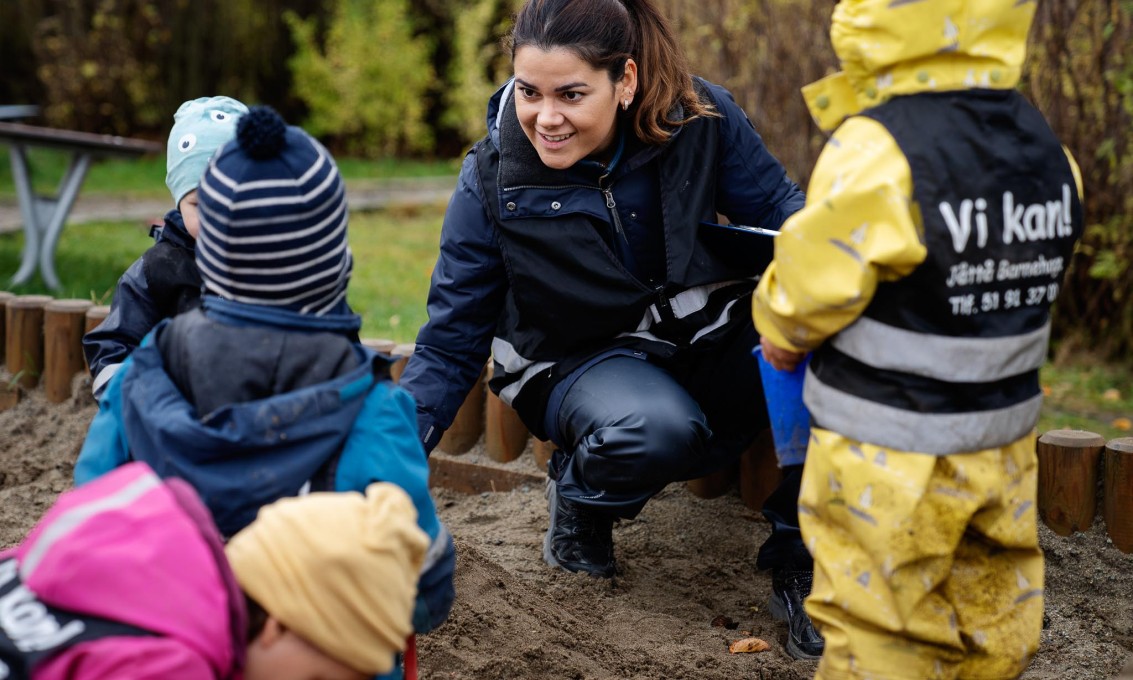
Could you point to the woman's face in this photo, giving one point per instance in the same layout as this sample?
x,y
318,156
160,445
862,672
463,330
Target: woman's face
x,y
567,108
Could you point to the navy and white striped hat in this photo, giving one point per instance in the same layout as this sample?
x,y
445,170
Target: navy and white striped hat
x,y
273,219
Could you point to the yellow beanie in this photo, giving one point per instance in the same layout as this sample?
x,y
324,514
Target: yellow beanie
x,y
338,569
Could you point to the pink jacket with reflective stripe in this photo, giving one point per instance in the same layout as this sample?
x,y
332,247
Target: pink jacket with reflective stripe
x,y
131,548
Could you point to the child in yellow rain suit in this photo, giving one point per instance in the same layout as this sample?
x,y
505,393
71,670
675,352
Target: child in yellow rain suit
x,y
939,221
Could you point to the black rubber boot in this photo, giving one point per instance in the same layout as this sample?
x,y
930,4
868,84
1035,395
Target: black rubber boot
x,y
789,587
578,539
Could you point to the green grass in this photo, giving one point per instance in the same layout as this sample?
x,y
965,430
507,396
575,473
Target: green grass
x,y
89,259
145,176
394,254
1084,394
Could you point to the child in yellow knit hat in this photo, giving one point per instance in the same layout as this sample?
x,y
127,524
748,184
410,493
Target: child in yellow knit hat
x,y
329,580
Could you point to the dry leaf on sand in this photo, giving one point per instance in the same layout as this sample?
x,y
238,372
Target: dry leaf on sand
x,y
751,644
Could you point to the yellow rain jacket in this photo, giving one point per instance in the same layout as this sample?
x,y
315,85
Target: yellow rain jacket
x,y
920,273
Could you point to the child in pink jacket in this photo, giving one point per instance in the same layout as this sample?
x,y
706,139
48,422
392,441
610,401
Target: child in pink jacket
x,y
126,577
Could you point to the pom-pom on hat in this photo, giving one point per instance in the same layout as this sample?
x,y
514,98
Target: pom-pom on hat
x,y
273,219
200,127
339,569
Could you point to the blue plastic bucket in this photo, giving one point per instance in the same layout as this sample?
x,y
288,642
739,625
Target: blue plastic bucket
x,y
790,419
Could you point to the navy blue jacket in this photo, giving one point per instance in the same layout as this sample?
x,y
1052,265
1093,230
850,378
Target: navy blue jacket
x,y
162,283
288,431
469,282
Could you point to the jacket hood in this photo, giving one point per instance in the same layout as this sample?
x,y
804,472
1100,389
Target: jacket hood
x,y
897,47
244,455
131,548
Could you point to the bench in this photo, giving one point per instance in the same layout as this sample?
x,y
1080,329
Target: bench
x,y
45,215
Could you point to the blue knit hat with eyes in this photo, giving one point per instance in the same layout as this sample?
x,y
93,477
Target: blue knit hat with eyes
x,y
273,219
200,127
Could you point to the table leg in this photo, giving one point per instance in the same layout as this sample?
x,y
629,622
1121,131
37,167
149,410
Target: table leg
x,y
25,194
44,216
68,192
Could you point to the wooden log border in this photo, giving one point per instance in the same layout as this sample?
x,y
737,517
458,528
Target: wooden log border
x,y
1071,462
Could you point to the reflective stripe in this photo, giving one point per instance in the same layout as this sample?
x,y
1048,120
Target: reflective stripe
x,y
690,301
935,433
645,335
71,519
504,353
940,357
720,321
102,379
436,550
509,393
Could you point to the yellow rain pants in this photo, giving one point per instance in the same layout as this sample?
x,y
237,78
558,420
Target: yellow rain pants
x,y
925,566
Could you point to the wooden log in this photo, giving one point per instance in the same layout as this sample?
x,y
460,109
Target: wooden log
x,y
23,353
458,475
95,316
400,354
759,471
542,451
505,435
4,297
468,424
9,395
1068,479
1117,501
714,485
64,322
380,345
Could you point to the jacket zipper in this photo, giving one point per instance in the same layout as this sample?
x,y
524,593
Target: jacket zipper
x,y
613,207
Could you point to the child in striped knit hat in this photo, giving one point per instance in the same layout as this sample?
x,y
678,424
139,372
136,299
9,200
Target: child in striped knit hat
x,y
264,391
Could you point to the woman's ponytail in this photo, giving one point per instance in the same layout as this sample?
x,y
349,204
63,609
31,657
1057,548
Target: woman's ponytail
x,y
665,98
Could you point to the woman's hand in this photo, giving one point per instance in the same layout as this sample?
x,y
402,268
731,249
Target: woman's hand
x,y
779,358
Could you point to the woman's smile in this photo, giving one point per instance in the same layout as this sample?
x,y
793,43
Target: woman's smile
x,y
555,141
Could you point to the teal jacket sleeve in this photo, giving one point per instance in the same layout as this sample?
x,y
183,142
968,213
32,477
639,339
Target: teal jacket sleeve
x,y
384,446
104,448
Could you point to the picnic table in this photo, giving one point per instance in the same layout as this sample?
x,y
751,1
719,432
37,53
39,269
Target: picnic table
x,y
44,216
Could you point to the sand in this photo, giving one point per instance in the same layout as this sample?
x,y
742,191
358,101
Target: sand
x,y
684,564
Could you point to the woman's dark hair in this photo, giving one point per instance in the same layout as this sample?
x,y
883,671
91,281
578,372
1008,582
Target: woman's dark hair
x,y
257,618
604,34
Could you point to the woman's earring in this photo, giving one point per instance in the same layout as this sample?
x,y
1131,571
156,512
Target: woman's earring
x,y
625,105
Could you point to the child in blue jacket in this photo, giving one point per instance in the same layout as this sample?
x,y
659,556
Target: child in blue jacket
x,y
164,282
264,391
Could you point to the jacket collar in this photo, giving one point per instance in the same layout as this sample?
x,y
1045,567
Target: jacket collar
x,y
339,320
174,231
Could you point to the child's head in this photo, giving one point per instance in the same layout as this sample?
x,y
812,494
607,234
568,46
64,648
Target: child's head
x,y
333,580
200,127
273,219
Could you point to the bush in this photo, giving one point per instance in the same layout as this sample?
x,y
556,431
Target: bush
x,y
1080,73
366,87
478,66
97,66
